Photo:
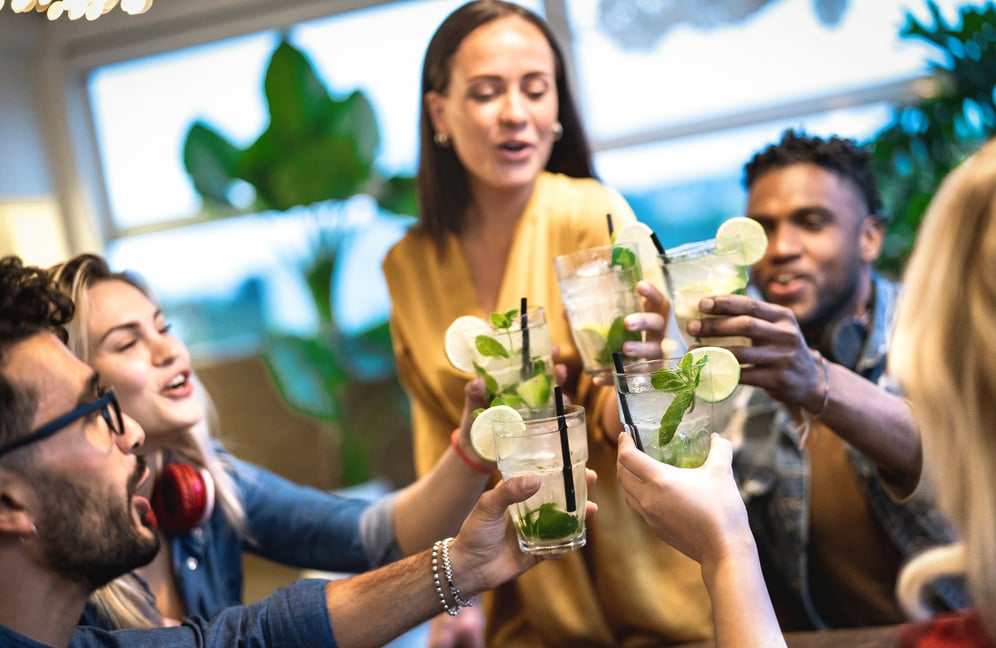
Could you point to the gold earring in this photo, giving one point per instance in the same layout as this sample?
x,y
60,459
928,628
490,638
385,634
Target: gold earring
x,y
558,131
441,140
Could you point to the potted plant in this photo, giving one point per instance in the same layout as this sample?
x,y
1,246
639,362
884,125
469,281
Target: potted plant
x,y
929,137
316,153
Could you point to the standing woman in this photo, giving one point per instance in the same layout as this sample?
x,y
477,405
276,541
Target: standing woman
x,y
505,184
120,331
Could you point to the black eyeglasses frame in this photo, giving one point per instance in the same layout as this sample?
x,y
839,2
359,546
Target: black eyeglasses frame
x,y
105,403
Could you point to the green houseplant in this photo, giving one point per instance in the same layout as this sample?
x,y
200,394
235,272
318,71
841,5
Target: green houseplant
x,y
316,153
929,137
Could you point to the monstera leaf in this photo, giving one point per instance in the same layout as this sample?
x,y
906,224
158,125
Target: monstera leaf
x,y
317,151
315,148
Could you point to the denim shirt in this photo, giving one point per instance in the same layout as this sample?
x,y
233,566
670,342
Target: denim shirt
x,y
290,524
773,474
294,616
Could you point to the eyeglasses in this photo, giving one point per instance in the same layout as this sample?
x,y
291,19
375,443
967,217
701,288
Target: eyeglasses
x,y
106,404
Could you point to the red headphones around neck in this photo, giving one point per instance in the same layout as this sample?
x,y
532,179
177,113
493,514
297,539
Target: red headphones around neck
x,y
182,498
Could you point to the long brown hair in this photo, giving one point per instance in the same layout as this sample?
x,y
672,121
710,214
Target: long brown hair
x,y
441,181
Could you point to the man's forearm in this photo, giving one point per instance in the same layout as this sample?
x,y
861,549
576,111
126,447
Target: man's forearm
x,y
877,423
371,609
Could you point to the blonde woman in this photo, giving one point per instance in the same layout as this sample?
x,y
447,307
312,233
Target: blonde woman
x,y
210,506
944,355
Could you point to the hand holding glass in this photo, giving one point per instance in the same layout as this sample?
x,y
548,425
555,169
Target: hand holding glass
x,y
550,521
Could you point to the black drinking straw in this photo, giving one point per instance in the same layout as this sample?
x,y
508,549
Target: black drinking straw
x,y
608,219
662,257
565,450
657,244
524,325
623,405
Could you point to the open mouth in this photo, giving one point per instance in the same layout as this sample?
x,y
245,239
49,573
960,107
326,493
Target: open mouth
x,y
785,284
179,384
145,512
514,147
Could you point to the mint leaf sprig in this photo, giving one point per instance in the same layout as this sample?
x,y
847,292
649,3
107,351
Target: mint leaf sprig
x,y
538,391
489,347
623,258
504,320
681,380
617,336
629,268
547,522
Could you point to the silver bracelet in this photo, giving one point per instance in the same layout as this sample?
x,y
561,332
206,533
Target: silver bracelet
x,y
448,570
452,611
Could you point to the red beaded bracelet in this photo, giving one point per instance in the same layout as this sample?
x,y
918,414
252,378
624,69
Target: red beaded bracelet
x,y
455,442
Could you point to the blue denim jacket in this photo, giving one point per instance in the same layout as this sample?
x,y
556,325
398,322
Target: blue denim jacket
x,y
287,523
294,616
773,473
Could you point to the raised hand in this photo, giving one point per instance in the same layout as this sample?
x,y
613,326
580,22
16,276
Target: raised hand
x,y
652,321
779,360
487,546
695,510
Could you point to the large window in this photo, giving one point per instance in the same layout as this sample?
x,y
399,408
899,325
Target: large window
x,y
673,109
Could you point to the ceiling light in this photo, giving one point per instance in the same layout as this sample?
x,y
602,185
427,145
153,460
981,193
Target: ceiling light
x,y
75,9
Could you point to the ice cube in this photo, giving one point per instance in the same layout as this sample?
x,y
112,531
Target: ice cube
x,y
593,268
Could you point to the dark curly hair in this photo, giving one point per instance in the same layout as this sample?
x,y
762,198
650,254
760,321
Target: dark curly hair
x,y
30,303
841,156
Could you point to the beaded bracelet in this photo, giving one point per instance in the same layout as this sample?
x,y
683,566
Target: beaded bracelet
x,y
826,383
448,570
452,611
455,442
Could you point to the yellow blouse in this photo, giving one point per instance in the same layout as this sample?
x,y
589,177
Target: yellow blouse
x,y
625,587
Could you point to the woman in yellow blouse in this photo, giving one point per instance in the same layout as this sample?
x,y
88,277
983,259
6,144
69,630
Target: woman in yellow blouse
x,y
505,184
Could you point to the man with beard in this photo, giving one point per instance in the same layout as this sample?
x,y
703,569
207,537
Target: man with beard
x,y
70,520
827,454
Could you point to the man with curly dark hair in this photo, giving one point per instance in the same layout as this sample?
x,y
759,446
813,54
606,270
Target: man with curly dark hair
x,y
29,304
827,456
71,519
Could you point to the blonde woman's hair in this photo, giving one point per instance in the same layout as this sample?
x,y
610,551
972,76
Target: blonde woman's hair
x,y
124,603
944,355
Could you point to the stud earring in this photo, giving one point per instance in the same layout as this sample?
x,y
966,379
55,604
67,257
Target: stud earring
x,y
558,131
441,140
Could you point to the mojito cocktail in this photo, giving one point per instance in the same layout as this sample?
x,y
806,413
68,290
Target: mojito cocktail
x,y
696,270
515,361
713,267
598,288
674,423
546,522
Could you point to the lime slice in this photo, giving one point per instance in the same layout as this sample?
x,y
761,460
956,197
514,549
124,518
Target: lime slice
x,y
459,341
535,391
746,236
640,233
490,421
720,375
592,338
